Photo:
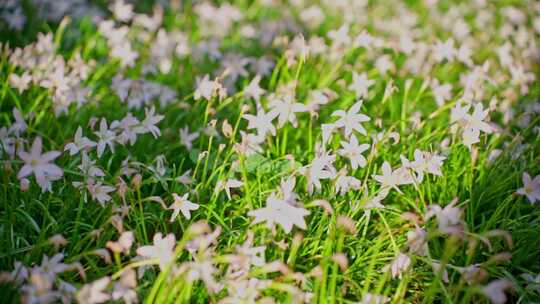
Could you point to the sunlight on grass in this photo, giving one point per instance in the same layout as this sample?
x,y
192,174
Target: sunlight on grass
x,y
334,151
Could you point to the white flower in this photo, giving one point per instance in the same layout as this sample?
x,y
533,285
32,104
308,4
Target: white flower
x,y
472,124
100,192
88,167
533,282
249,145
344,182
253,90
448,218
424,162
476,119
353,152
227,185
281,212
150,121
531,187
340,37
125,53
40,165
207,89
79,143
106,138
122,11
417,241
360,84
52,266
162,250
286,188
285,107
441,92
320,168
93,293
446,50
187,138
262,122
399,265
351,119
495,290
390,179
370,298
20,82
128,128
182,204
19,126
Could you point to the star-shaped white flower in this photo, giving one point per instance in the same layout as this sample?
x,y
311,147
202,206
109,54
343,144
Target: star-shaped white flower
x,y
280,212
285,107
262,122
253,90
353,151
321,167
340,37
163,249
531,187
360,84
207,89
351,120
106,137
186,138
227,185
79,143
182,204
40,165
391,179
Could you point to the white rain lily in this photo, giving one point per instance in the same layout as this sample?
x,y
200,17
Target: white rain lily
x,y
253,90
186,138
344,182
94,293
280,212
370,298
207,89
495,290
21,83
399,265
448,218
533,282
150,121
360,84
262,122
162,250
79,143
392,179
441,92
285,107
182,204
531,187
424,162
100,192
19,126
351,120
340,37
227,185
321,167
40,165
353,151
106,138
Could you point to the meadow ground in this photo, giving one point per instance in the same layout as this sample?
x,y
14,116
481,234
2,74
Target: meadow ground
x,y
269,151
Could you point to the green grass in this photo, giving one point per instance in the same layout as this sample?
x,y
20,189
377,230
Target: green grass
x,y
485,192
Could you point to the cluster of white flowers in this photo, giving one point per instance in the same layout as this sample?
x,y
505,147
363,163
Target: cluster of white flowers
x,y
42,283
324,107
40,65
